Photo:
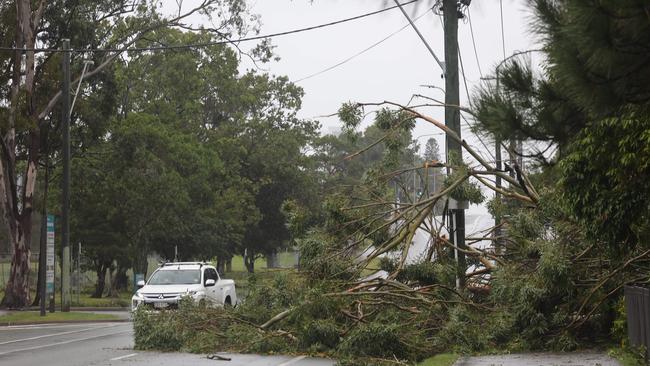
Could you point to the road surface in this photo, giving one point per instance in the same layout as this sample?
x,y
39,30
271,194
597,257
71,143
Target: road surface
x,y
109,344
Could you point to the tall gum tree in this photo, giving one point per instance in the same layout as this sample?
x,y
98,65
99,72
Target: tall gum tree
x,y
31,97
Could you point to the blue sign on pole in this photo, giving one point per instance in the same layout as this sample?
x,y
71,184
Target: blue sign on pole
x,y
49,265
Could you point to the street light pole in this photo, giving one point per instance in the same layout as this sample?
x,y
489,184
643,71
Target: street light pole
x,y
65,211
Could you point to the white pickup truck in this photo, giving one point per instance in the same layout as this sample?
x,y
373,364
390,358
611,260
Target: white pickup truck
x,y
173,281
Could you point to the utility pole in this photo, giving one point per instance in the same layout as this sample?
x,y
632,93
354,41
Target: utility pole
x,y
452,120
497,215
65,210
42,262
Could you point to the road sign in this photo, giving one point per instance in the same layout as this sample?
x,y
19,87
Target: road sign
x,y
49,265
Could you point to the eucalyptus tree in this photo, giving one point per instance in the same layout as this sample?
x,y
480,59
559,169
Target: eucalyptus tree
x,y
30,90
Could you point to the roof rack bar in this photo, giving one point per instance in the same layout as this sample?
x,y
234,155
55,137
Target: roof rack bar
x,y
182,263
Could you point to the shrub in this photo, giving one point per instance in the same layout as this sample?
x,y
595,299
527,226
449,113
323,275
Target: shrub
x,y
376,340
156,331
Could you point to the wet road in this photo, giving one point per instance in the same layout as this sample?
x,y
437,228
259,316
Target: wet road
x,y
109,344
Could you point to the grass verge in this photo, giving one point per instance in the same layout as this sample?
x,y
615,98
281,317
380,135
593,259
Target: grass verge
x,y
443,359
20,317
628,357
124,300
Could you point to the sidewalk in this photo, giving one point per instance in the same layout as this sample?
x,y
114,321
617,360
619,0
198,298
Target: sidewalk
x,y
541,359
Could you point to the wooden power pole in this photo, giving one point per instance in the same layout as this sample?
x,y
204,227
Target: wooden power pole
x,y
452,120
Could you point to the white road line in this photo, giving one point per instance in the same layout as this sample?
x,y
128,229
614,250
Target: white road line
x,y
60,343
39,326
54,335
122,357
292,361
52,325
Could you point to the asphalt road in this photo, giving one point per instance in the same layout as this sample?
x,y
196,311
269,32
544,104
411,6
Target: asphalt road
x,y
109,344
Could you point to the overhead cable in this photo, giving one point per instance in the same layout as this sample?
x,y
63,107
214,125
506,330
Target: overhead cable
x,y
207,44
471,29
360,52
440,63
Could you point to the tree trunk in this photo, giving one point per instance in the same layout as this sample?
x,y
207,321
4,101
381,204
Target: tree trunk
x,y
220,264
249,261
140,262
17,288
229,264
272,260
101,281
19,216
119,281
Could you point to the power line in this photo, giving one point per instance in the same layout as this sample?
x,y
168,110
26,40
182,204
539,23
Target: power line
x,y
471,29
441,64
207,44
360,52
503,37
462,71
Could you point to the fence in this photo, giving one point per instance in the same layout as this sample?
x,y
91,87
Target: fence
x,y
637,307
79,279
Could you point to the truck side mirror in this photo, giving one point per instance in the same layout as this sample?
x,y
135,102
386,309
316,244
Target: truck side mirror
x,y
209,282
140,284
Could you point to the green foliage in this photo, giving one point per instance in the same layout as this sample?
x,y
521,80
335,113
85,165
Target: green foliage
x,y
319,336
318,257
467,190
316,323
155,331
605,180
350,114
465,331
443,359
422,273
619,326
376,340
199,157
629,357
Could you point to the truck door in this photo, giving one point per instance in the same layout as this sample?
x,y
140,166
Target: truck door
x,y
209,290
217,290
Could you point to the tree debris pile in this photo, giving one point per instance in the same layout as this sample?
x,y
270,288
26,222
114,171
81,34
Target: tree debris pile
x,y
572,223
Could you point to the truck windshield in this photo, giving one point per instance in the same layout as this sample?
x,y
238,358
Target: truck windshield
x,y
176,277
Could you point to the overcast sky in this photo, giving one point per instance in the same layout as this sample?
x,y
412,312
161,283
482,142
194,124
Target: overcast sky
x,y
395,69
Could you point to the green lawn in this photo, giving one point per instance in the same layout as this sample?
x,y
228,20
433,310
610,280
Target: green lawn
x,y
285,260
19,317
443,359
84,300
626,356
